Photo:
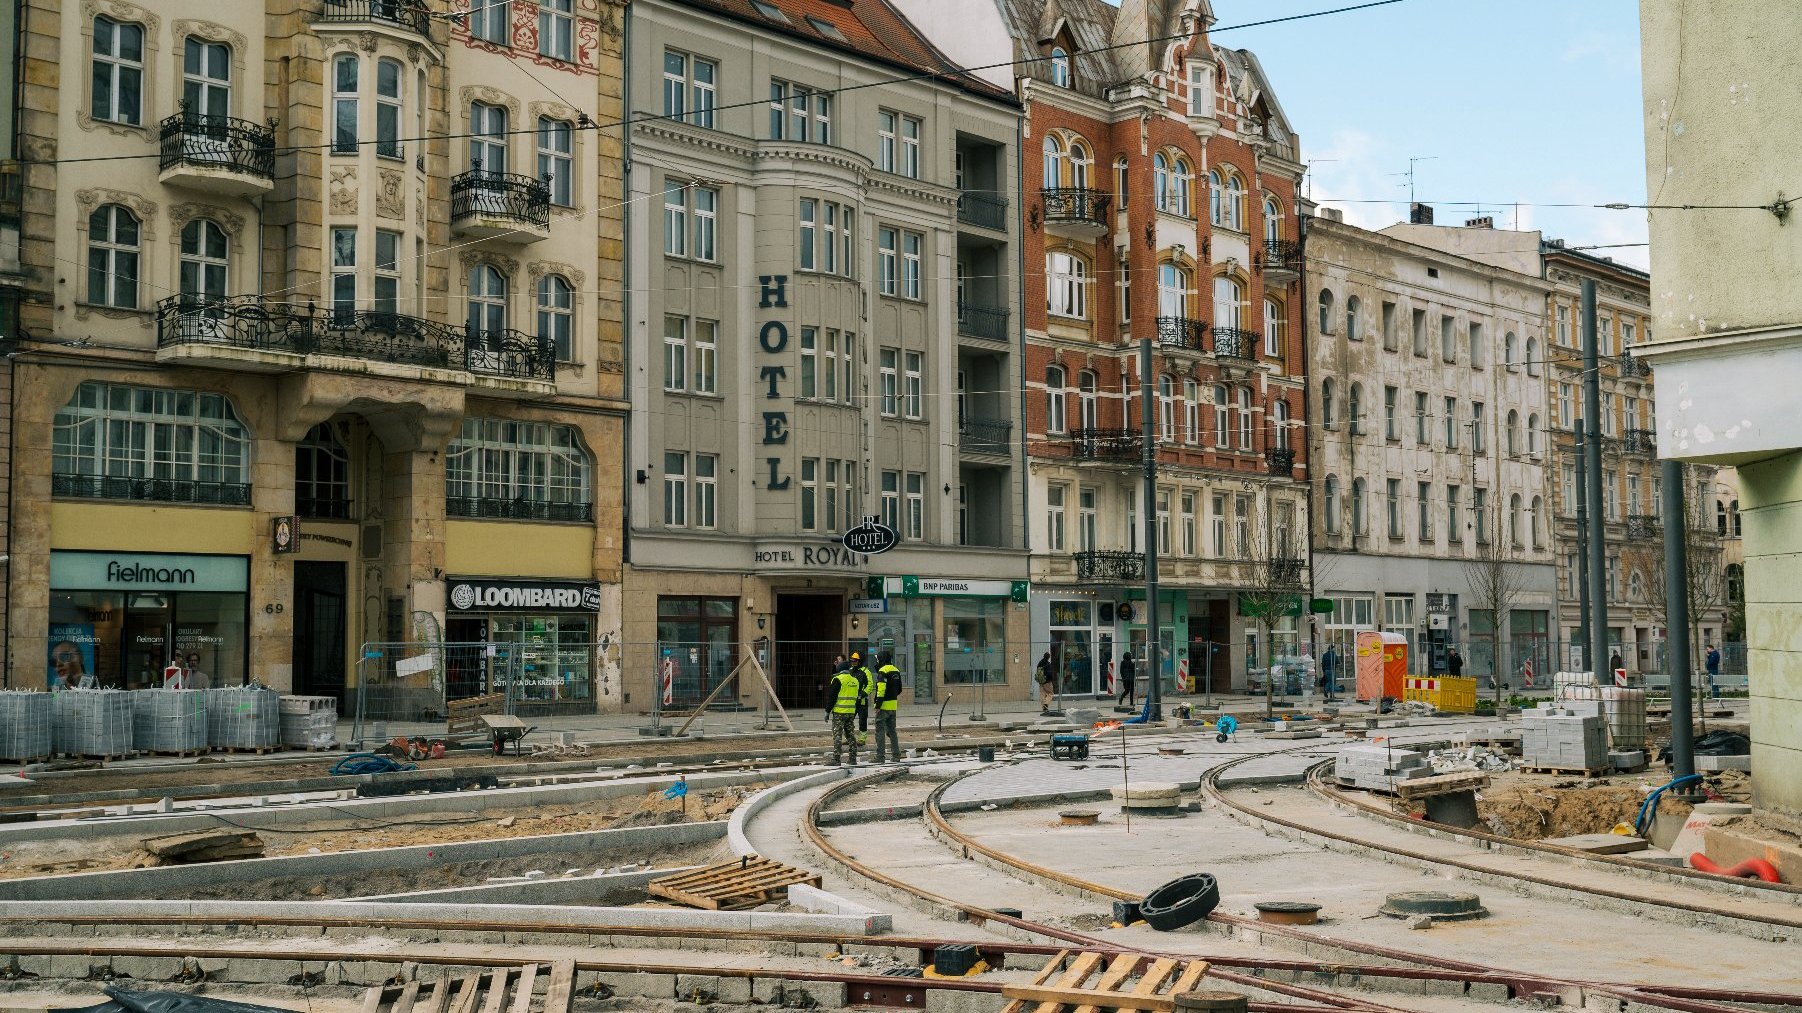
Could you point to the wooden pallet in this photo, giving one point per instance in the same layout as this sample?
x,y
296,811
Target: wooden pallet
x,y
1567,771
487,992
251,750
202,751
465,717
1160,981
732,886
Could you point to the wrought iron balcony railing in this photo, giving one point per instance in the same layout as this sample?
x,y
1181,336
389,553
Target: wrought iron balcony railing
x,y
1640,441
479,193
1076,206
495,508
218,142
252,323
155,490
1285,572
1235,343
1281,461
1109,566
986,322
325,508
1642,528
1119,445
1282,255
982,211
410,15
1632,366
985,436
1182,332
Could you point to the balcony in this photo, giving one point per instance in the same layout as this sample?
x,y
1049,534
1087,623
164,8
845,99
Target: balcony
x,y
982,211
1282,260
1642,528
1284,572
405,15
1632,366
218,154
1235,343
986,322
1281,462
494,508
1116,446
1109,566
151,490
250,333
985,436
1181,332
1643,442
1074,211
499,205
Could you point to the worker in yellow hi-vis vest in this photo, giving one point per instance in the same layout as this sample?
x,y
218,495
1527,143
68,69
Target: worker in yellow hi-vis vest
x,y
843,693
887,702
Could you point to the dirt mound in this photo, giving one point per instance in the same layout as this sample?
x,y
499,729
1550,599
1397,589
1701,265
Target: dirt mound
x,y
1538,812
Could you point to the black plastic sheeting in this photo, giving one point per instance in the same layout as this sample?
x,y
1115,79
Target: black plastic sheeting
x,y
128,1001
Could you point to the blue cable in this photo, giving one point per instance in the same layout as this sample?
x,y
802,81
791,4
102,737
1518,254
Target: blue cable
x,y
369,763
1650,805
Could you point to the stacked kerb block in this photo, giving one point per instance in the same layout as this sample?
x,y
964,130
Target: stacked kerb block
x,y
1378,767
1567,736
169,720
27,725
309,722
243,717
93,722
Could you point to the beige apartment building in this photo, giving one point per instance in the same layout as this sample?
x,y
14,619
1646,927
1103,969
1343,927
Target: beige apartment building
x,y
324,348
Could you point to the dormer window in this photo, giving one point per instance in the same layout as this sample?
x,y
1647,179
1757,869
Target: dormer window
x,y
1060,66
770,11
1201,96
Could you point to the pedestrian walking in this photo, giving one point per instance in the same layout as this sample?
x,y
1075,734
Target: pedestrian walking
x,y
887,703
1454,662
1614,663
1711,665
1329,670
844,690
1128,679
1047,682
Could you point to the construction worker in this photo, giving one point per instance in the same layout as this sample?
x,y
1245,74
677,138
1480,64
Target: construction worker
x,y
844,691
867,676
887,702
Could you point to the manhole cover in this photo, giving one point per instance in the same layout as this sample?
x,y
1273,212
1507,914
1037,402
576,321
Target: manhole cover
x,y
1435,904
1287,912
1078,817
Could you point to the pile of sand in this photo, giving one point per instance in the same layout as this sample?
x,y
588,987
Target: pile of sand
x,y
1536,812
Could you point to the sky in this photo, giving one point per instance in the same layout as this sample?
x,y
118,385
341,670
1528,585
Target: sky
x,y
1529,101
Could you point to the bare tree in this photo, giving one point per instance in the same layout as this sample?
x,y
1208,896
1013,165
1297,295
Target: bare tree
x,y
1497,583
1280,584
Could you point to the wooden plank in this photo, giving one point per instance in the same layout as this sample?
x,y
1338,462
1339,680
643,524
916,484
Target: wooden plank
x,y
1116,974
522,999
1050,998
408,996
372,999
440,999
1069,982
1154,976
1191,977
1441,784
1046,973
496,999
561,994
468,989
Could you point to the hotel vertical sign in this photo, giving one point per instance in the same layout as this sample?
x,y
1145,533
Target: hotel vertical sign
x,y
772,338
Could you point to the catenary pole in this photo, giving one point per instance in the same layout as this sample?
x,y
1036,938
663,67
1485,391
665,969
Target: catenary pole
x,y
1580,444
1676,609
1149,458
1597,646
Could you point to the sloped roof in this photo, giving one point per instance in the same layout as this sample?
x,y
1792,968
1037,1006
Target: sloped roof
x,y
870,28
1090,25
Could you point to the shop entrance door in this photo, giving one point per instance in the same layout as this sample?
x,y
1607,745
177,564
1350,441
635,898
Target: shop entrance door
x,y
147,646
319,629
809,634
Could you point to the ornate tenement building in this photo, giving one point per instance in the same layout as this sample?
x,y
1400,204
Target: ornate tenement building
x,y
354,262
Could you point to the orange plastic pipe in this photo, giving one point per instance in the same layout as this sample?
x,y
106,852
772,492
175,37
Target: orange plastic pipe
x,y
1748,869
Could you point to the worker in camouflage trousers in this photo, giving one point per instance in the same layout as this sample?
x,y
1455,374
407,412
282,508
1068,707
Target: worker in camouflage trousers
x,y
887,703
844,695
866,672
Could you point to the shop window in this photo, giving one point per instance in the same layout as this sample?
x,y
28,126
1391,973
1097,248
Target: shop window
x,y
518,470
975,644
114,441
188,610
700,637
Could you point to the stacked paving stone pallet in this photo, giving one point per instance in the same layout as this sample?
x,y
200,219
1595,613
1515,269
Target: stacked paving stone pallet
x,y
243,717
1378,767
93,722
27,721
169,720
309,722
1569,735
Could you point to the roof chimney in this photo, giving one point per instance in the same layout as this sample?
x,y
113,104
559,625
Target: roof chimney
x,y
1485,222
1333,214
1420,214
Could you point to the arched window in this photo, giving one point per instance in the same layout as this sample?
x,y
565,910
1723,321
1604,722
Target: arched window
x,y
113,257
203,261
1182,182
1733,515
388,105
1060,67
1088,402
1720,517
345,116
1354,410
1054,162
1055,421
1636,586
1326,311
557,317
1532,356
116,441
1357,506
1080,163
1533,521
1533,434
1273,221
1222,422
1514,520
1351,319
1160,180
1279,424
1512,434
1332,504
1235,201
1508,359
1121,178
1166,408
1244,418
526,470
1067,285
487,301
1173,290
1216,197
1326,403
1229,296
322,475
1276,328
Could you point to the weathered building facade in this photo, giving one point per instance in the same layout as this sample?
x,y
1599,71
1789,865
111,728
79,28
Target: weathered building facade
x,y
325,351
824,327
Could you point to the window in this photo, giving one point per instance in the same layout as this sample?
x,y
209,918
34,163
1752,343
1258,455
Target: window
x,y
1173,290
1611,500
1476,346
705,354
1053,167
114,431
675,84
810,220
1454,530
1229,299
891,500
322,475
825,243
690,85
1508,360
1479,508
518,462
1166,408
707,468
1514,520
1532,356
810,362
113,257
1332,504
1357,508
1351,319
1563,325
914,391
1244,418
675,219
1276,328
1163,521
1423,494
387,107
556,314
1512,433
1451,423
798,113
1354,413
556,146
387,271
1533,435
1191,412
1273,222
832,492
1060,67
910,147
847,360
344,105
810,482
675,489
1422,435
675,353
556,29
1626,336
1054,400
206,80
1122,177
1242,525
1088,400
1390,432
1326,403
119,71
1326,311
887,272
1607,413
911,244
1188,523
706,220
1448,339
344,275
203,261
1420,333
1567,487
1391,340
1478,444
891,399
1218,526
1054,516
1394,503
487,301
887,138
1279,424
1222,423
1172,183
1201,97
490,21
1085,519
1067,285
1566,419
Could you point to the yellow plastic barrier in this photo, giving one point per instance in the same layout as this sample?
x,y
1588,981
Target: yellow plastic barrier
x,y
1448,695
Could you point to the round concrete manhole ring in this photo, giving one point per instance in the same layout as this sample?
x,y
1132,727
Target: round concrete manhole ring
x,y
1287,912
1211,1002
1438,905
1079,817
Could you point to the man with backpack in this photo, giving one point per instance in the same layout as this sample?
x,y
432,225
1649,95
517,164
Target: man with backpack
x,y
1047,686
887,703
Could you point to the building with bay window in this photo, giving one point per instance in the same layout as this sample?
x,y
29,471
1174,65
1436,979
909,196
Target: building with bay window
x,y
824,327
345,267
